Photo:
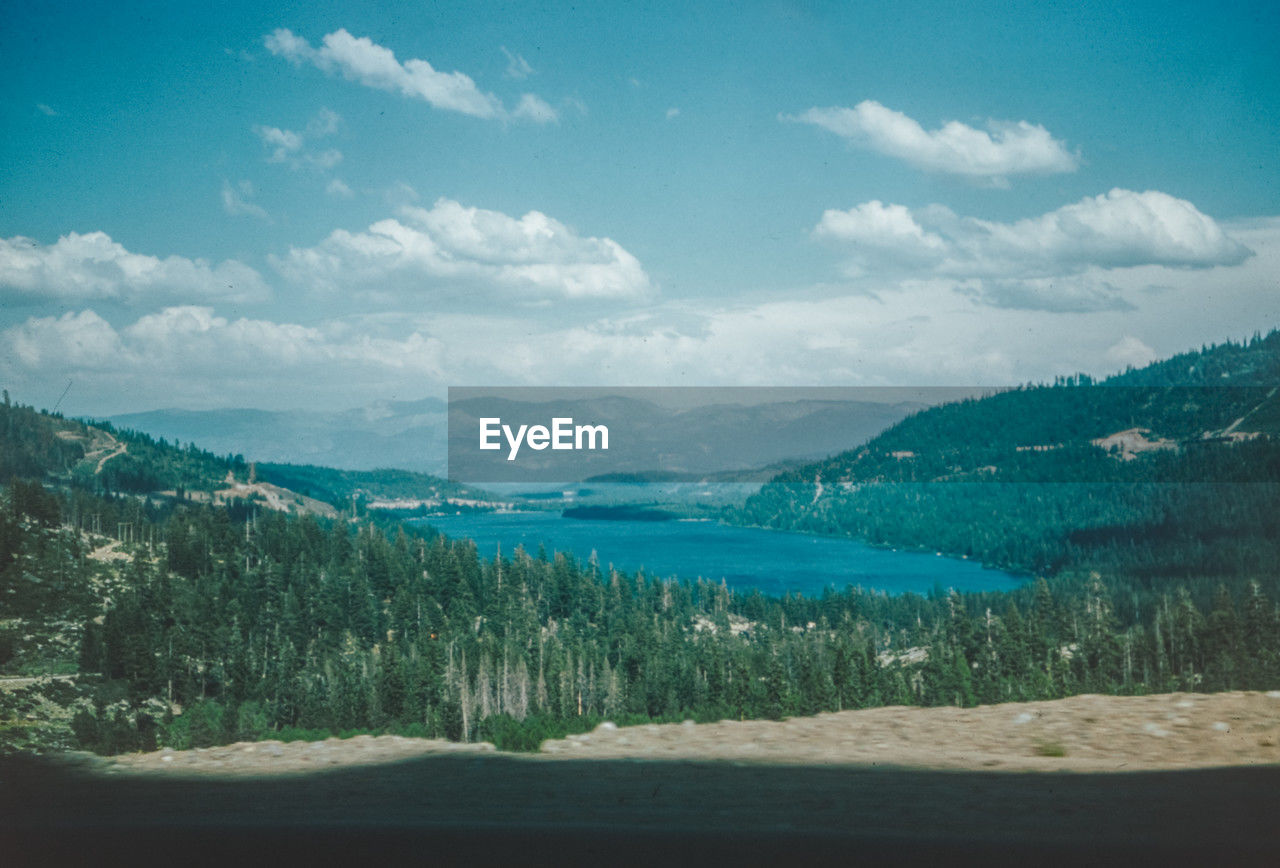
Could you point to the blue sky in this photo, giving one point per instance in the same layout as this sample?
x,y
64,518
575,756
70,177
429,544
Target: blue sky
x,y
330,203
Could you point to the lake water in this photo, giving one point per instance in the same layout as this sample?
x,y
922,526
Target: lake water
x,y
773,561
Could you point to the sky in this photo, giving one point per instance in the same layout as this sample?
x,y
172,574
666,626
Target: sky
x,y
328,204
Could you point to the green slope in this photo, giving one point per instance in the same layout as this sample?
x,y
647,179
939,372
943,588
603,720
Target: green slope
x,y
1168,471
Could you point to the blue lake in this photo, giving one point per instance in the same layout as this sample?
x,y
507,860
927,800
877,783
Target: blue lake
x,y
773,561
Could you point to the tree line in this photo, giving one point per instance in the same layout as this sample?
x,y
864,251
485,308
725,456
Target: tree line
x,y
218,624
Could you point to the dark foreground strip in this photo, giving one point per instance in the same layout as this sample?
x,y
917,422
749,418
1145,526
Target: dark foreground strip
x,y
527,811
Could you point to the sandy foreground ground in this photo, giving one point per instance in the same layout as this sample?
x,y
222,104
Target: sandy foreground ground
x,y
1082,733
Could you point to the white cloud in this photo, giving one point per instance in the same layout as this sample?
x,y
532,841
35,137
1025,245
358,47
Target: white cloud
x,y
874,226
673,112
284,144
47,110
517,67
283,43
1051,262
235,200
326,159
399,194
189,356
362,60
533,107
287,146
93,266
931,332
338,187
193,337
1117,229
1129,351
73,340
1004,148
449,246
324,123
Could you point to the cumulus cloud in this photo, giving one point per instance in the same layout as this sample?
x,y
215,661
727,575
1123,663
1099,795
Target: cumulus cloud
x,y
362,60
73,340
449,245
93,266
1004,148
1036,262
874,226
1117,229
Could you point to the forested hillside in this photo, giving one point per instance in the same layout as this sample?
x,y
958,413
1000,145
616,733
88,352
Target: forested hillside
x,y
187,621
1148,476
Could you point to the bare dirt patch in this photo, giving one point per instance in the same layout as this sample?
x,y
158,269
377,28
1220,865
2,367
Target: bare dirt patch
x,y
1132,442
273,496
277,757
1082,733
109,552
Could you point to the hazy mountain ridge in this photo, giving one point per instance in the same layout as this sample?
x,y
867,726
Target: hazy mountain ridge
x,y
717,441
411,435
403,434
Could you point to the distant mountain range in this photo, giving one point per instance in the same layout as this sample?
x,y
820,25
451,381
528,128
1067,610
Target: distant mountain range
x,y
408,435
715,441
412,435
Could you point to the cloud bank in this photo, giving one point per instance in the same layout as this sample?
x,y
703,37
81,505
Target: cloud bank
x,y
192,356
92,266
929,332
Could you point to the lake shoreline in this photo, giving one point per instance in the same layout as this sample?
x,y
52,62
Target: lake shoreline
x,y
775,562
